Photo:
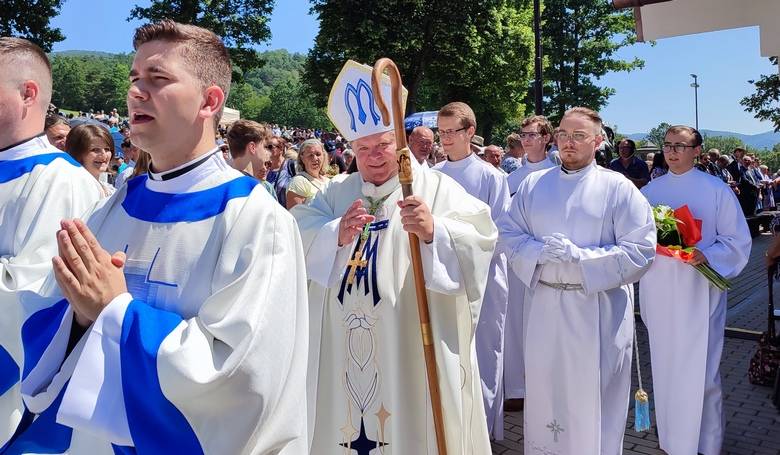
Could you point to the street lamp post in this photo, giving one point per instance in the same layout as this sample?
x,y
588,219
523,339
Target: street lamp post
x,y
695,86
538,85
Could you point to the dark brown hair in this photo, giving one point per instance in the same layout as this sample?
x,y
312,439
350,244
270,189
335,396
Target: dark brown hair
x,y
203,52
460,111
697,138
81,138
545,127
242,132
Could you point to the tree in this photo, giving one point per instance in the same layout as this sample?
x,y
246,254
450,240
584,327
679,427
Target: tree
x,y
240,23
110,89
30,20
580,39
765,103
476,51
657,134
292,104
246,99
725,144
69,82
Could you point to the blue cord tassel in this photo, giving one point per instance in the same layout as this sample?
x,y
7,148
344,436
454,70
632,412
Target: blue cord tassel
x,y
641,411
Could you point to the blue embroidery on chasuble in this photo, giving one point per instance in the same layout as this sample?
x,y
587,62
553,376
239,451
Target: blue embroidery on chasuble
x,y
13,169
141,282
365,277
144,204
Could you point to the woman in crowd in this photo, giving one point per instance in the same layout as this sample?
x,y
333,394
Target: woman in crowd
x,y
767,188
659,166
141,164
57,129
311,177
93,147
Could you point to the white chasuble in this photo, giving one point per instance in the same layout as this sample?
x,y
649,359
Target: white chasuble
x,y
488,184
686,316
205,353
514,363
578,314
368,392
39,186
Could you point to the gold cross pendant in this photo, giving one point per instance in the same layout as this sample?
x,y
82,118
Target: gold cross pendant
x,y
354,263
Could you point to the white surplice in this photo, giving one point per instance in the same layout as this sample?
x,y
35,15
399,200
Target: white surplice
x,y
686,316
205,353
367,376
488,184
578,342
39,186
514,364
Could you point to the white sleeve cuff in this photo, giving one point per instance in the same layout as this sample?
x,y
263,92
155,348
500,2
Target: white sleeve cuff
x,y
326,260
94,402
440,263
524,263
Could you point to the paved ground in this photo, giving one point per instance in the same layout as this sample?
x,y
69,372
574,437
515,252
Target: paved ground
x,y
752,423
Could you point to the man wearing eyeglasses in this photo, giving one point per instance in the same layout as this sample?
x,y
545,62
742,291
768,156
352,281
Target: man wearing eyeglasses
x,y
684,314
629,165
577,236
535,135
457,124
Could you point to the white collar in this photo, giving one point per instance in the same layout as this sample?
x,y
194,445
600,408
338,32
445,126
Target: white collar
x,y
38,145
212,172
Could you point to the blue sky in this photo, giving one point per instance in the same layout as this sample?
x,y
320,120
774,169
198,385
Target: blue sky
x,y
661,92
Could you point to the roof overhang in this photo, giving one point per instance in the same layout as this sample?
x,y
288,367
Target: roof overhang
x,y
657,19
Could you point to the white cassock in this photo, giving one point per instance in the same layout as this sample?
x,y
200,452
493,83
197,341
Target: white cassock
x,y
514,365
578,340
488,184
39,186
206,353
367,377
686,316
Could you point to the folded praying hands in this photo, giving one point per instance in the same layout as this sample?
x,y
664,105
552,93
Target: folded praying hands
x,y
558,248
89,277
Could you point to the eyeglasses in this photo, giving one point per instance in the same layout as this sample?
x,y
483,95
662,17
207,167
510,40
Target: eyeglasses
x,y
531,135
678,148
579,136
444,133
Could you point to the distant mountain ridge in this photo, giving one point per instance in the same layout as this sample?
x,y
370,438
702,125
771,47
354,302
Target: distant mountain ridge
x,y
760,141
78,53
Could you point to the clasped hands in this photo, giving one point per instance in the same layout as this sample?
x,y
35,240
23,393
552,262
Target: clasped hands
x,y
89,277
416,218
558,248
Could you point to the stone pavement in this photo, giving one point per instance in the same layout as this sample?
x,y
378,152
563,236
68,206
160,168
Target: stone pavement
x,y
752,423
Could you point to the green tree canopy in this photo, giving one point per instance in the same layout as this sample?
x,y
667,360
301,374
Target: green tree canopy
x,y
476,51
241,23
292,104
30,20
765,103
656,135
84,81
723,143
580,39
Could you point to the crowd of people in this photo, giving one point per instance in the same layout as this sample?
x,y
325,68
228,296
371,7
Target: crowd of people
x,y
251,289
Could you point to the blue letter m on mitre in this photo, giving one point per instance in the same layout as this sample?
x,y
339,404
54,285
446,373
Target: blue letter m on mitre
x,y
361,85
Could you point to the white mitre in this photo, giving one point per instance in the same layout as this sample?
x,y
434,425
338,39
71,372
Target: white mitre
x,y
352,103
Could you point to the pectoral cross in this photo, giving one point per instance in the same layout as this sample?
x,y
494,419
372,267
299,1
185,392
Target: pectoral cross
x,y
356,261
